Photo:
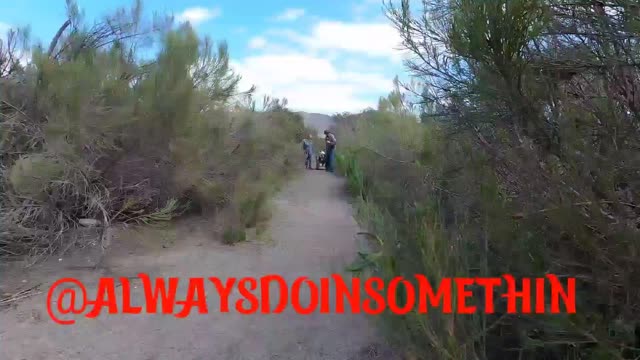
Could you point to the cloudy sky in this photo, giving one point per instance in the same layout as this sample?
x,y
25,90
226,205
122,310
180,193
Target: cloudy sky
x,y
324,56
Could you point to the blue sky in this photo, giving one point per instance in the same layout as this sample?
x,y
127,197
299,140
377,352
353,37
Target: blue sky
x,y
323,55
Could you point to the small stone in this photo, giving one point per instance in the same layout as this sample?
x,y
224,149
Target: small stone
x,y
89,222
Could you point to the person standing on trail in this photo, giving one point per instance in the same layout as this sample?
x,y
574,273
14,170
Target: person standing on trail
x,y
307,146
330,141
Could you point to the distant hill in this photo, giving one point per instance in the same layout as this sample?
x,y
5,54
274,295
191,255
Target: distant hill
x,y
320,122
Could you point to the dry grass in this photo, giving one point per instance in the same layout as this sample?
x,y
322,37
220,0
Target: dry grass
x,y
8,300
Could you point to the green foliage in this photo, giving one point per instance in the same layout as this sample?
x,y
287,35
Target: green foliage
x,y
96,129
254,210
233,236
31,175
496,32
394,101
526,172
347,166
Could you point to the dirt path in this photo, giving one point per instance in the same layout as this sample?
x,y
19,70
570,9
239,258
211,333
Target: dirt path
x,y
313,235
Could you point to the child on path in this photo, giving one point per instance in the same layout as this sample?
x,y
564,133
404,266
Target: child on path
x,y
307,146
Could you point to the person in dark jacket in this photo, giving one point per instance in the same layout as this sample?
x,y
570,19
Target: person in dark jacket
x,y
330,140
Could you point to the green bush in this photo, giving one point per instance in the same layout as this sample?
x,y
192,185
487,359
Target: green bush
x,y
32,175
233,236
494,183
126,135
254,210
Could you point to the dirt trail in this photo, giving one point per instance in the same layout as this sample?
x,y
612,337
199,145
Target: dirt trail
x,y
313,235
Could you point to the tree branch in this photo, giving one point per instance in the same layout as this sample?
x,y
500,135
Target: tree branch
x,y
56,38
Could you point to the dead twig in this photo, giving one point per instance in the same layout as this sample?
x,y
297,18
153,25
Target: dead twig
x,y
22,294
387,157
582,203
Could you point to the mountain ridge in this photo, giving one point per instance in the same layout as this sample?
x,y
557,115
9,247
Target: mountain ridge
x,y
318,121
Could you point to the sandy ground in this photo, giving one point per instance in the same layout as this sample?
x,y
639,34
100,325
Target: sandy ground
x,y
312,234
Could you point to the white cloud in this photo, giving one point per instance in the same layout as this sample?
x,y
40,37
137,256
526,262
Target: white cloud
x,y
281,69
197,15
25,58
372,39
4,27
257,42
326,99
335,66
311,83
290,15
371,82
